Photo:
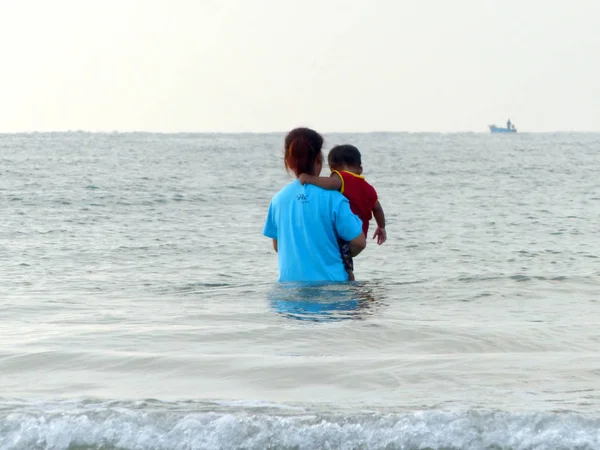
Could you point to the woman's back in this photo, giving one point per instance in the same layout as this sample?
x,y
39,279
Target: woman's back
x,y
306,221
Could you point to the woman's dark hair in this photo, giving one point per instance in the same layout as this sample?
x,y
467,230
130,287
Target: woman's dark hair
x,y
302,148
344,155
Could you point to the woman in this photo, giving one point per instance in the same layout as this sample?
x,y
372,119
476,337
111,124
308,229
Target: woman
x,y
305,221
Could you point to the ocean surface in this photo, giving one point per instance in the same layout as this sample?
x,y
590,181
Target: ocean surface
x,y
139,308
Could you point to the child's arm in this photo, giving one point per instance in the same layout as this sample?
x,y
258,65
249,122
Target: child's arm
x,y
331,183
380,233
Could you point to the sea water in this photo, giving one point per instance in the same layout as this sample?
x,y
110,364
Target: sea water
x,y
139,308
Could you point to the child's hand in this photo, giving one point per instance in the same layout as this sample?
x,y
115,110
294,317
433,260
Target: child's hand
x,y
381,235
305,178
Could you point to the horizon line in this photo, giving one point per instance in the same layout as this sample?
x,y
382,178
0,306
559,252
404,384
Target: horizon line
x,y
82,131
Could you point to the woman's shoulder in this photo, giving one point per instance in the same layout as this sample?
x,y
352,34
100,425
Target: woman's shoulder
x,y
328,195
297,190
287,190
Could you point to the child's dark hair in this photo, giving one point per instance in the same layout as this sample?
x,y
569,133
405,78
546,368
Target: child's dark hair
x,y
302,148
344,155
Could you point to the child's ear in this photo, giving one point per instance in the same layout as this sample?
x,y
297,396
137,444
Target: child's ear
x,y
360,170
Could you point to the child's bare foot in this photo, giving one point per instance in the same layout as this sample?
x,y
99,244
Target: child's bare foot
x,y
351,276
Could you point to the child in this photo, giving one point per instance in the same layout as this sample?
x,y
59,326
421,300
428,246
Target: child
x,y
346,169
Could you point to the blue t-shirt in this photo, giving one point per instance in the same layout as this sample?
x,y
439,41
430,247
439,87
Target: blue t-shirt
x,y
306,221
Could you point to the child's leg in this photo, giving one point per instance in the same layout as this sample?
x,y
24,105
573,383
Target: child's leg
x,y
347,258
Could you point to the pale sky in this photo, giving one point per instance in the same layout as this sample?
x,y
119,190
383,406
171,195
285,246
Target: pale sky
x,y
270,65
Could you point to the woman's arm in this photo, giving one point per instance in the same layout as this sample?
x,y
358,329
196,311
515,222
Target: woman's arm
x,y
349,227
358,244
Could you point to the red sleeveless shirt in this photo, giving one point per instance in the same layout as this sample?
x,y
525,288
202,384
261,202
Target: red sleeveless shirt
x,y
361,195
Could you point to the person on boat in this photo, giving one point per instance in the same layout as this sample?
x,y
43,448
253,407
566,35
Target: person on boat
x,y
305,221
508,124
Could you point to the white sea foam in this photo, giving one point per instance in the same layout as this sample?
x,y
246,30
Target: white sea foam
x,y
188,426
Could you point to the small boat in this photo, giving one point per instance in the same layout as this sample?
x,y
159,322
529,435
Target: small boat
x,y
495,129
